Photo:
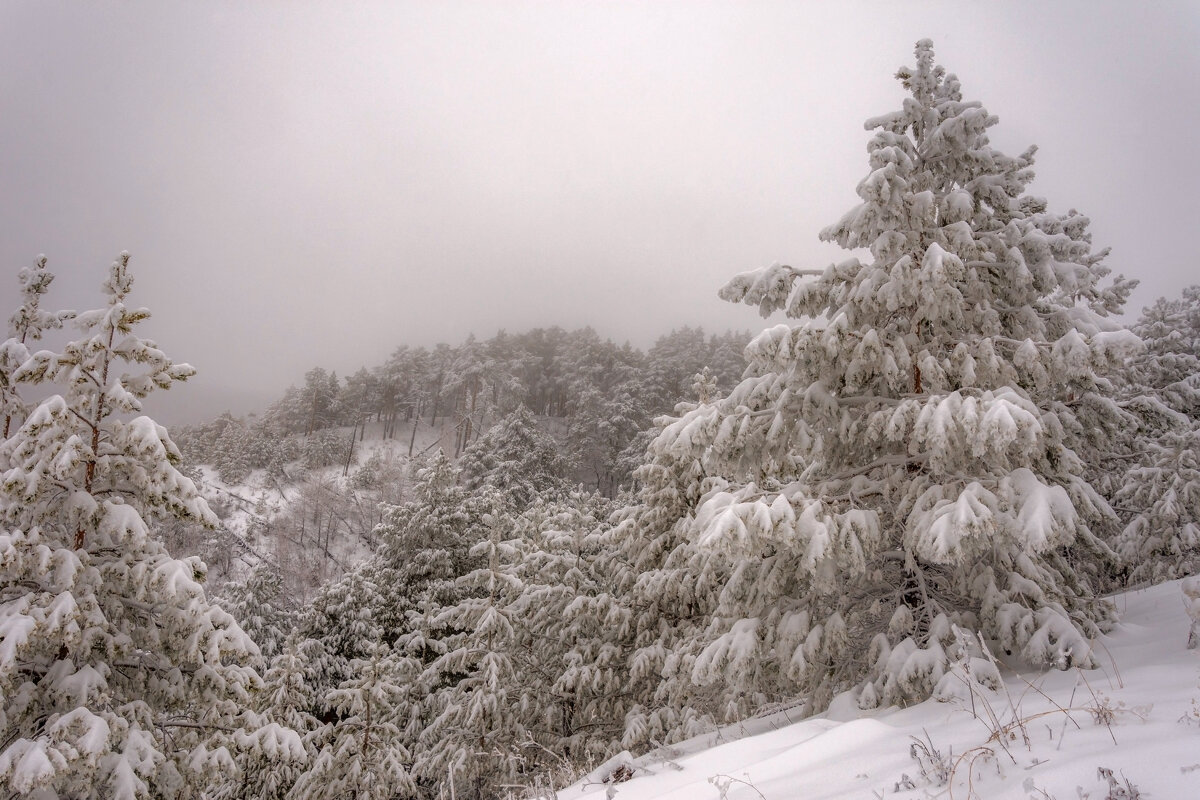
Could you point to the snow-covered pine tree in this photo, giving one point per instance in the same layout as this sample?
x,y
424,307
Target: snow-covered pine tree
x,y
1169,369
909,458
424,547
673,360
1162,540
27,324
343,621
513,692
269,769
727,361
474,723
229,453
325,447
472,380
659,595
568,651
363,756
119,678
602,425
516,459
1158,494
262,611
392,600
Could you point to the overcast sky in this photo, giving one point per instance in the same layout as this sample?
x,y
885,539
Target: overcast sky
x,y
308,184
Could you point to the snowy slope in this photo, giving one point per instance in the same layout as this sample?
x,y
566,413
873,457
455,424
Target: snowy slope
x,y
259,497
1041,735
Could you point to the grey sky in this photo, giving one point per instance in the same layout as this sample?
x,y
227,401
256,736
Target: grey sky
x,y
310,184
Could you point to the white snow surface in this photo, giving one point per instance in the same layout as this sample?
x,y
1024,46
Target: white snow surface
x,y
1137,715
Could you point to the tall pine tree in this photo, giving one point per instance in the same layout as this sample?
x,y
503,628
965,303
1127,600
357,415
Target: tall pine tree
x,y
119,678
908,459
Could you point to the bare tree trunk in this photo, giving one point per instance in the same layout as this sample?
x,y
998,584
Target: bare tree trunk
x,y
471,413
350,451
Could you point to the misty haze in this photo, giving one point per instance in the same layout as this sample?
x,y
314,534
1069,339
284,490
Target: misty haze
x,y
537,400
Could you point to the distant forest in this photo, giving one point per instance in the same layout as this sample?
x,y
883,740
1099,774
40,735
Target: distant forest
x,y
595,396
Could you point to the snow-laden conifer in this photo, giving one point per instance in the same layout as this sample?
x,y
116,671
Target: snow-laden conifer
x,y
119,678
363,756
392,601
27,324
1158,494
660,593
474,722
424,547
262,611
342,623
1169,368
283,746
516,459
909,458
1162,540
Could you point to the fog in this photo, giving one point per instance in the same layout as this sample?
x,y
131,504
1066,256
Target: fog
x,y
313,184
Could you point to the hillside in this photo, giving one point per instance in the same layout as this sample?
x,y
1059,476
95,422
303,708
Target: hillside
x,y
1040,735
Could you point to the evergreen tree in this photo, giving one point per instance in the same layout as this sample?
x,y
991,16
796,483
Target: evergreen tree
x,y
602,427
119,678
315,406
659,596
27,324
516,459
1169,368
909,459
392,601
342,621
1162,541
363,757
1158,494
269,771
260,608
727,361
510,683
473,722
424,546
230,454
567,640
324,448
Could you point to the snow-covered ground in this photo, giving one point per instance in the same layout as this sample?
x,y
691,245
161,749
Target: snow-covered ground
x,y
1042,735
260,500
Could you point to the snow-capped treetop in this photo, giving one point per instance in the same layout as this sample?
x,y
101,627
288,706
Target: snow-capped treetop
x,y
78,447
27,324
957,247
30,320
